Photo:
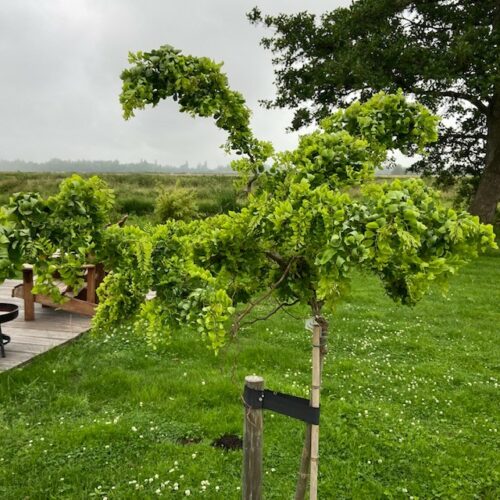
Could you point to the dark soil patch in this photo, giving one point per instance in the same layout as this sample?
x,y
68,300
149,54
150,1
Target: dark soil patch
x,y
228,442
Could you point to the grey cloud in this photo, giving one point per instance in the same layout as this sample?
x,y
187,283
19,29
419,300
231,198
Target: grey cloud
x,y
62,60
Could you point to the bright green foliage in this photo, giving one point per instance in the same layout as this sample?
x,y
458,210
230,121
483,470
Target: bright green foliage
x,y
177,203
301,233
58,233
389,121
352,143
127,253
201,90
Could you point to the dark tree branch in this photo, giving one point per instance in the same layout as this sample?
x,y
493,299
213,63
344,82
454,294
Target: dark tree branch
x,y
276,257
480,105
251,305
280,305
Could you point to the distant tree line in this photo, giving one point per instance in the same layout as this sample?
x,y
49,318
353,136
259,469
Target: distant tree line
x,y
114,166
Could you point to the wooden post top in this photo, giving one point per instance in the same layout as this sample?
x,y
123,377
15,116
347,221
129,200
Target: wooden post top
x,y
254,380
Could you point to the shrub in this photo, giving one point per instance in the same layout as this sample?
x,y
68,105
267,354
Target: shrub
x,y
176,203
136,205
218,201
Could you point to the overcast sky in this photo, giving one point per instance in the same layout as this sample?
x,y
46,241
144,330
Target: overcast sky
x,y
61,61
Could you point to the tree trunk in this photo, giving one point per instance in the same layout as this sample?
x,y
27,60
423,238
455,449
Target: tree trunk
x,y
487,196
305,459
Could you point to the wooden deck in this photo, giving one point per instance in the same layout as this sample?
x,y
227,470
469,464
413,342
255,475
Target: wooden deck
x,y
31,338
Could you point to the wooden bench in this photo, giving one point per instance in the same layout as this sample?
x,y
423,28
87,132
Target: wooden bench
x,y
83,301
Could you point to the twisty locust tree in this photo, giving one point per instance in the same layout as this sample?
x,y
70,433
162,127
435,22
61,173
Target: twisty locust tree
x,y
302,232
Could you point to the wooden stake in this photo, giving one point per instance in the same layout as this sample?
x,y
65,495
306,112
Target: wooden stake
x,y
305,459
252,445
91,282
315,393
29,299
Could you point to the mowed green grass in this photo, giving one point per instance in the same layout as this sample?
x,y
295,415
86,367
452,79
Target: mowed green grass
x,y
410,405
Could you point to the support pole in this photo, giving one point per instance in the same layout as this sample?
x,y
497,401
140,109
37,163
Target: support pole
x,y
29,300
91,283
252,445
305,459
315,393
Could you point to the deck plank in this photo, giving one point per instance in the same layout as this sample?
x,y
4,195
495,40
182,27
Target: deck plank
x,y
29,339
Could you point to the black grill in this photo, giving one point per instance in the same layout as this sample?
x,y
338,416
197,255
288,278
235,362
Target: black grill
x,y
8,312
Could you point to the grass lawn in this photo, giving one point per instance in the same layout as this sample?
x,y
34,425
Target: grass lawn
x,y
410,405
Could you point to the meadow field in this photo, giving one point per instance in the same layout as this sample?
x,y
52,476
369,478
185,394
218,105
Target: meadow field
x,y
136,194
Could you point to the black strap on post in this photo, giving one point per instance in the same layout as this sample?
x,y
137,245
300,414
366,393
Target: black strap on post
x,y
292,406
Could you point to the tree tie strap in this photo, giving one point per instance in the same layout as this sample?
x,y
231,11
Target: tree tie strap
x,y
292,406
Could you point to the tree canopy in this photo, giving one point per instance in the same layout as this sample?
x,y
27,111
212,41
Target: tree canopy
x,y
302,232
444,52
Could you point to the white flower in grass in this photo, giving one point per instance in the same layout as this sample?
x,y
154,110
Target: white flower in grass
x,y
187,492
134,429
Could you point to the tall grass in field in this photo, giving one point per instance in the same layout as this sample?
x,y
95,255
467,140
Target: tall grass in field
x,y
137,194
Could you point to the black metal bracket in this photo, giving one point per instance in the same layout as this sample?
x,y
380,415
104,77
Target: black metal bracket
x,y
292,406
